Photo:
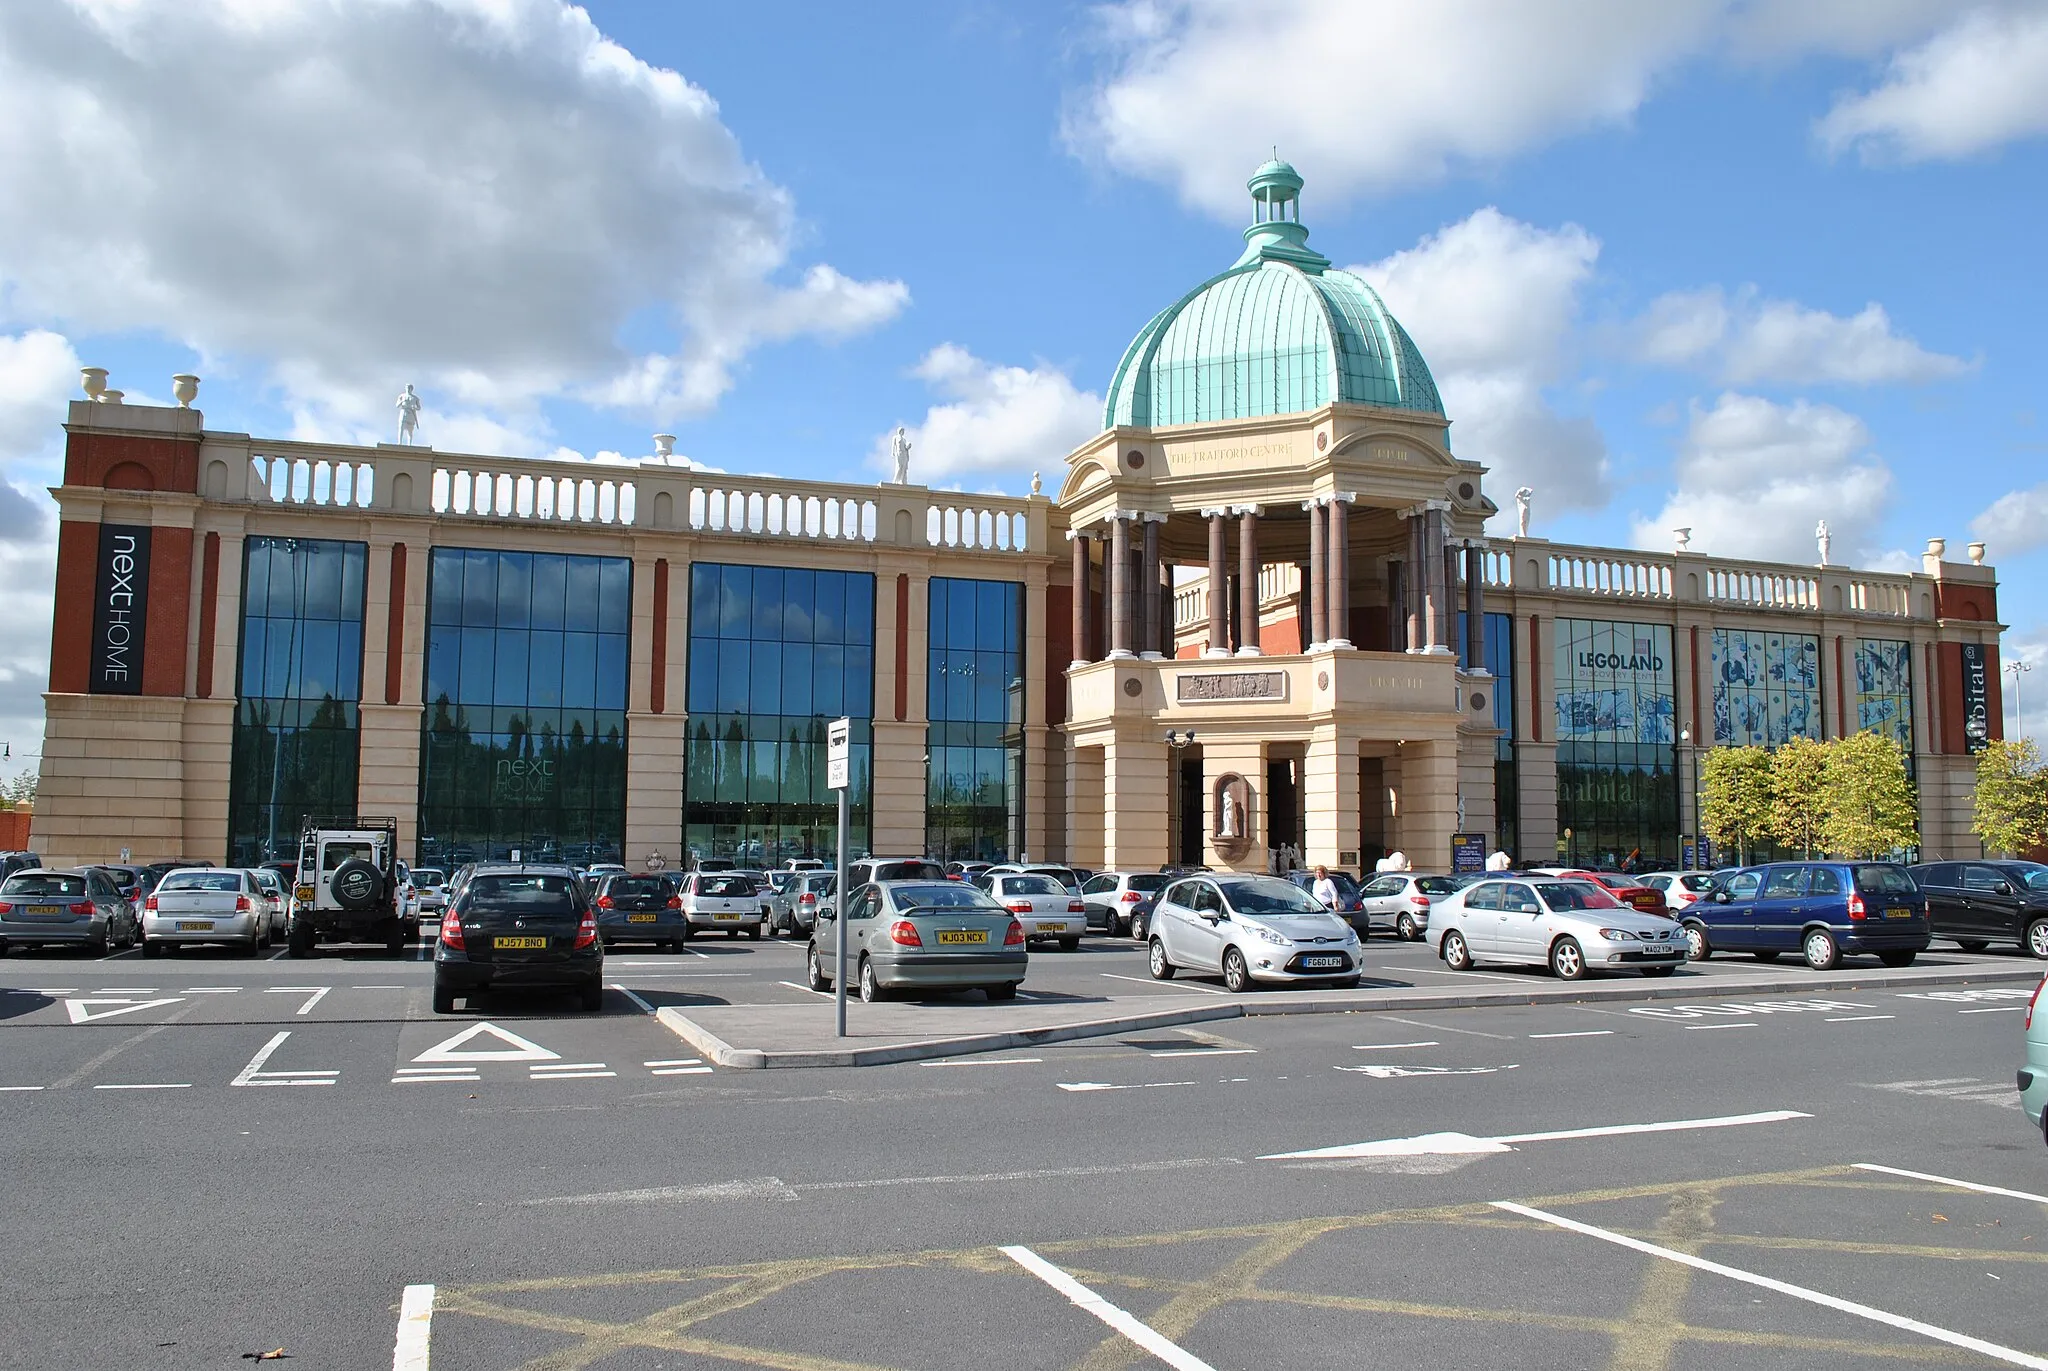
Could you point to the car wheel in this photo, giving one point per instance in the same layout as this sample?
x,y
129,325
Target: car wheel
x,y
1139,927
1901,958
1972,944
1161,968
1658,972
1567,960
1697,948
298,944
674,947
104,945
1822,952
252,947
689,931
444,1001
1007,990
2037,939
1457,956
871,990
1404,927
755,933
151,950
1237,977
1070,944
592,999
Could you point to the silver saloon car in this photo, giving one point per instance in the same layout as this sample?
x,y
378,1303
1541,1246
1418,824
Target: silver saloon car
x,y
1251,929
921,935
1573,927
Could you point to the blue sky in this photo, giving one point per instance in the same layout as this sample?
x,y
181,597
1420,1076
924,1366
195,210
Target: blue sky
x,y
1728,264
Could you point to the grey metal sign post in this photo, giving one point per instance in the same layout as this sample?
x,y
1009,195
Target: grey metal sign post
x,y
838,741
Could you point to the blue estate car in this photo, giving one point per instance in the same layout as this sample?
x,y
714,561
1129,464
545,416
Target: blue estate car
x,y
1822,911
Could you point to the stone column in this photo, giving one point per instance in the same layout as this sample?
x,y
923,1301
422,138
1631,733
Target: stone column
x,y
1080,542
1148,581
1434,600
1248,580
1331,798
1397,605
1451,555
1475,607
1219,584
1418,573
1166,610
1338,553
1119,586
1314,632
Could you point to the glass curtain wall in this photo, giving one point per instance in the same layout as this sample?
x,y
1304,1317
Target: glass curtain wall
x,y
776,654
296,733
1617,789
974,701
1499,635
1766,687
524,740
1884,690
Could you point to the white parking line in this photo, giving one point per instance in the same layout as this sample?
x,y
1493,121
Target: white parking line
x,y
316,992
988,1061
1995,1009
645,1007
183,1085
2009,1355
1702,1027
254,1074
1950,1180
1088,1302
211,990
677,1061
18,1089
1582,1033
1207,1052
1171,985
1861,1018
1089,1087
571,1075
681,1071
1440,971
415,1329
1390,1047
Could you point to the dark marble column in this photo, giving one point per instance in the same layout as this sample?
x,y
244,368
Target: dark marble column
x,y
1080,542
1248,580
1475,606
1318,577
1119,585
1148,581
1338,554
1219,584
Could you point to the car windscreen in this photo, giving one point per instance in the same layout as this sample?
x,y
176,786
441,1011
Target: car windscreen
x,y
1031,885
909,871
951,895
44,883
201,880
1439,885
1575,895
522,894
725,887
632,887
1147,885
1885,880
1264,896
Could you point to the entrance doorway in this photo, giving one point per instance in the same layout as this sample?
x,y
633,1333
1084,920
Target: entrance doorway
x,y
1193,809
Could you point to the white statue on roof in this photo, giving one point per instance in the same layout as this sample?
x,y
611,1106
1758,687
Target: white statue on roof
x,y
408,415
1522,511
899,448
1825,539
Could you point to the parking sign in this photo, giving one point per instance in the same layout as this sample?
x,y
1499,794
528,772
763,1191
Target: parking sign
x,y
838,736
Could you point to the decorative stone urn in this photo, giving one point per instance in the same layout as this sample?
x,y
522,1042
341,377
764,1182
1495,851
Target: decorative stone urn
x,y
93,380
185,387
110,397
1976,554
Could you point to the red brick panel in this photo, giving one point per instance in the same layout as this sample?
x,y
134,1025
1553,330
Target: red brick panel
x,y
657,691
902,646
1059,650
1535,678
209,596
394,628
1948,690
78,550
170,611
1956,600
129,461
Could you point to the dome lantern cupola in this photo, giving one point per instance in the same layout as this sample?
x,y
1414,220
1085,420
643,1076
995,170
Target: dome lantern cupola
x,y
1279,332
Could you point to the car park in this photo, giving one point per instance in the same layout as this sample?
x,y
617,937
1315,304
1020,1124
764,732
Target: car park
x,y
1347,906
726,900
1046,908
1574,927
426,892
1069,879
277,901
1120,903
347,886
1250,929
1679,888
128,880
965,871
2033,1076
776,889
639,908
205,905
1981,903
1822,911
930,934
11,862
1624,888
715,864
81,908
519,927
1401,900
869,869
811,893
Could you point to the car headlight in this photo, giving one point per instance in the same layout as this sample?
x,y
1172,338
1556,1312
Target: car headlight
x,y
1617,935
1277,939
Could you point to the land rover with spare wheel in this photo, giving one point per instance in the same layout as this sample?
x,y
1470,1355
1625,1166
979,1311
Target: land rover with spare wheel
x,y
347,889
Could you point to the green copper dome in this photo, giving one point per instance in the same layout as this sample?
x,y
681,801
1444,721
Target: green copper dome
x,y
1279,333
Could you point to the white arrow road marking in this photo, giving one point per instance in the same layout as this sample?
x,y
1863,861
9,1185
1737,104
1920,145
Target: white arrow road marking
x,y
1457,1144
775,1188
516,1049
1085,1087
1388,1073
2010,1356
84,1011
415,1329
1949,1180
1088,1302
317,992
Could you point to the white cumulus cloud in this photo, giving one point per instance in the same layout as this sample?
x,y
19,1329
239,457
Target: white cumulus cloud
x,y
1748,340
995,419
486,197
1973,87
2015,522
1494,304
1754,478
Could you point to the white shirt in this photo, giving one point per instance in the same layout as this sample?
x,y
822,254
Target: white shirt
x,y
1325,891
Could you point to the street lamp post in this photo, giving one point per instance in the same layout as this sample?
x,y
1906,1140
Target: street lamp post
x,y
2016,669
1685,746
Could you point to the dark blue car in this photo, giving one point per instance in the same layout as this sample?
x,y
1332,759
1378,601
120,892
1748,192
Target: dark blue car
x,y
1822,911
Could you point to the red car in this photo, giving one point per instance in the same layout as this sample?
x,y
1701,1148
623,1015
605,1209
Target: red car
x,y
1641,898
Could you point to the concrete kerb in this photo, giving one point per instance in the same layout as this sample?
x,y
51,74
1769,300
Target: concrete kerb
x,y
718,1051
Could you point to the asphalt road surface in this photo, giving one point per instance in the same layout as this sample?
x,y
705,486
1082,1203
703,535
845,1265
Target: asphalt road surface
x,y
210,1156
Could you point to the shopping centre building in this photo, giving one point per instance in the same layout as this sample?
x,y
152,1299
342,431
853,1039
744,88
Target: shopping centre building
x,y
1261,616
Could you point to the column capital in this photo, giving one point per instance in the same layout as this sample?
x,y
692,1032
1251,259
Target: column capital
x,y
1252,510
1216,512
1075,533
1341,497
1424,508
1123,516
1152,516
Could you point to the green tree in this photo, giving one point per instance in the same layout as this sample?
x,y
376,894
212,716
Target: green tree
x,y
2012,797
1735,804
1870,809
1799,794
22,787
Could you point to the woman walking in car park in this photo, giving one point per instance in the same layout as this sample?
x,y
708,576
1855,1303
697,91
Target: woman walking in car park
x,y
1325,890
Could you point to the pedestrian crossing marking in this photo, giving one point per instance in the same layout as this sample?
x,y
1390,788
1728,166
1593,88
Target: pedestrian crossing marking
x,y
517,1049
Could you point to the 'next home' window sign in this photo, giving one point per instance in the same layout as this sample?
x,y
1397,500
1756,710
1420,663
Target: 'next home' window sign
x,y
120,610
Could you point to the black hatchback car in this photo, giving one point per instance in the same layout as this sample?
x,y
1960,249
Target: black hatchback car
x,y
1981,903
519,928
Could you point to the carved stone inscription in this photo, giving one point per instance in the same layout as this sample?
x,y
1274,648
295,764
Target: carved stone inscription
x,y
1226,686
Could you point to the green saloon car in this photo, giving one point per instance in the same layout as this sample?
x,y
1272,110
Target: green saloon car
x,y
921,935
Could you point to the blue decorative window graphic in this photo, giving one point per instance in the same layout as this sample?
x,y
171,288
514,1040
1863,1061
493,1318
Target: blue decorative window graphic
x,y
1766,687
1884,689
1614,682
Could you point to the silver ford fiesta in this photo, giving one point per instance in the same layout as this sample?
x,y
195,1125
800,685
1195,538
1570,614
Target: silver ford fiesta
x,y
1573,927
1250,928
